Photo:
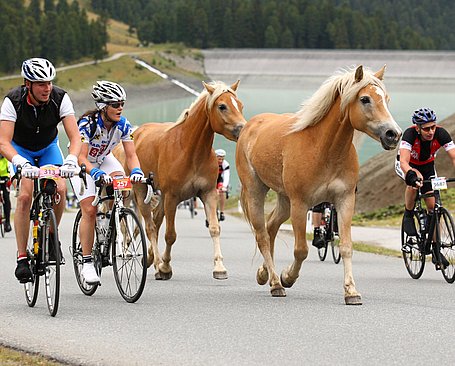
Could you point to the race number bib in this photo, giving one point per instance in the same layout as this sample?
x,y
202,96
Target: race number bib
x,y
49,172
439,183
122,184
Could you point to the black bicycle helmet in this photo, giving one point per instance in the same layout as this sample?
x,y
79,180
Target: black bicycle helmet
x,y
423,115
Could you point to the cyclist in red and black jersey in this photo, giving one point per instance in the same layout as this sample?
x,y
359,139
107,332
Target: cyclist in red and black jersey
x,y
415,161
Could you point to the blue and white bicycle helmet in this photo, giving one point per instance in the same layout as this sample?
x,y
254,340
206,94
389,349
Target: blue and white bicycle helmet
x,y
423,115
107,92
38,69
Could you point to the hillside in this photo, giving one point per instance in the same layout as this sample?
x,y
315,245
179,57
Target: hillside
x,y
379,186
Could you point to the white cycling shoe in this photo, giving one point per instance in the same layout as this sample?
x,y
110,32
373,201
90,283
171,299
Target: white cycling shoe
x,y
89,274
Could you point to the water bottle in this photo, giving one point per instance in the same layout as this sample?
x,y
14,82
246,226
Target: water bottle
x,y
102,224
422,221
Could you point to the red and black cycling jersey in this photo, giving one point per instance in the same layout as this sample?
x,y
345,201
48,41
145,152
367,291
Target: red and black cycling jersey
x,y
424,152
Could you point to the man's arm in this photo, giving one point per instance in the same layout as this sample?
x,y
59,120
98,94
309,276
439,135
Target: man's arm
x,y
451,153
6,136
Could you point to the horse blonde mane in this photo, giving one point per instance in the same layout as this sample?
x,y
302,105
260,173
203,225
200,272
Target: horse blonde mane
x,y
220,88
342,84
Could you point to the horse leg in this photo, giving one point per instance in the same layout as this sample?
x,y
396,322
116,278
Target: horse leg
x,y
253,206
165,268
210,202
151,229
345,210
298,217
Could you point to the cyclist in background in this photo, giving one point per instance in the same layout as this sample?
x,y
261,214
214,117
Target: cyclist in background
x,y
28,118
222,183
101,130
415,162
318,233
4,186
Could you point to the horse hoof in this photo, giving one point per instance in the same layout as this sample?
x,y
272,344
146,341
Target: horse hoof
x,y
353,300
220,275
163,276
262,276
284,283
278,292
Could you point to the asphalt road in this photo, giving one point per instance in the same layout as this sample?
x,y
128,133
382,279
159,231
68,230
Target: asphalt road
x,y
193,319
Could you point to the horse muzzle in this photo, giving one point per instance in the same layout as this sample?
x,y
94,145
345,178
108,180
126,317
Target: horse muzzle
x,y
236,131
389,138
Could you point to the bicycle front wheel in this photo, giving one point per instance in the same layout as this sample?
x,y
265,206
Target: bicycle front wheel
x,y
86,289
335,243
447,244
31,288
413,257
52,260
129,255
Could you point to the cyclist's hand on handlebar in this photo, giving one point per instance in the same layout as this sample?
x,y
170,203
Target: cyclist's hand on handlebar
x,y
98,174
69,167
136,175
412,179
30,171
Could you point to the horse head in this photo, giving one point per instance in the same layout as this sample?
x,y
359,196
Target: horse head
x,y
368,111
225,109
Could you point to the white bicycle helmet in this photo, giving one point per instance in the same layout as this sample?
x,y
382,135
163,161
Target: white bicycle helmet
x,y
220,152
108,91
38,69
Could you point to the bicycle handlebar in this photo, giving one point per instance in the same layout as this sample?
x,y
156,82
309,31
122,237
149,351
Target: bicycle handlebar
x,y
151,191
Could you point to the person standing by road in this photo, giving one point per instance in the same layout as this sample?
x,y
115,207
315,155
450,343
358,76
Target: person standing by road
x,y
29,117
222,183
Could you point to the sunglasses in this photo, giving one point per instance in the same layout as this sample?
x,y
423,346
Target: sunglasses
x,y
427,129
116,104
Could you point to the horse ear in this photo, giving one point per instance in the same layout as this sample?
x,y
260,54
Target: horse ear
x,y
359,74
208,87
235,85
380,74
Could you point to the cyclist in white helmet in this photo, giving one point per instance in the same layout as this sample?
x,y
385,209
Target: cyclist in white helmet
x,y
222,183
101,130
29,117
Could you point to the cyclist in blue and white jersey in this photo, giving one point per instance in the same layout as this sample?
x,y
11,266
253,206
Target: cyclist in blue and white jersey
x,y
29,117
101,130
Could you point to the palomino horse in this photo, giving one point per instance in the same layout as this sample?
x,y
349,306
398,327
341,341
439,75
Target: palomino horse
x,y
307,158
184,164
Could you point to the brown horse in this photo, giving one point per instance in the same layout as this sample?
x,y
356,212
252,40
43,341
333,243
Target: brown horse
x,y
307,158
184,164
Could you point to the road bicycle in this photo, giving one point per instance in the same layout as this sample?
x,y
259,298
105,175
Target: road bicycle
x,y
435,235
3,181
330,233
43,246
120,240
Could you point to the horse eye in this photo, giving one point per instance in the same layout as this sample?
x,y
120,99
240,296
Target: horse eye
x,y
365,100
222,107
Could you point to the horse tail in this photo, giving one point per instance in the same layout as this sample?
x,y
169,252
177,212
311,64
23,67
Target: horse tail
x,y
245,208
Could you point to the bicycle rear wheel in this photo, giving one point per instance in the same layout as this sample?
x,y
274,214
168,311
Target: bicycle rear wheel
x,y
31,288
322,252
86,289
335,242
129,255
191,207
414,259
52,260
447,244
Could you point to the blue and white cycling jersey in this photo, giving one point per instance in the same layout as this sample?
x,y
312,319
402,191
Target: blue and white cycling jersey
x,y
103,141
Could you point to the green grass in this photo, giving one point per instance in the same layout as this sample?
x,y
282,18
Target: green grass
x,y
11,357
